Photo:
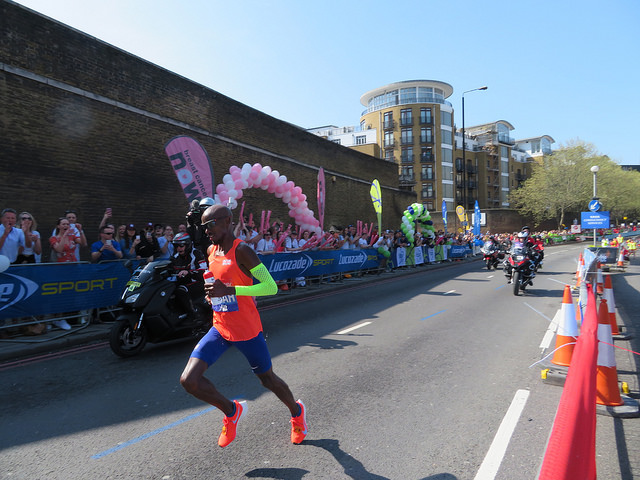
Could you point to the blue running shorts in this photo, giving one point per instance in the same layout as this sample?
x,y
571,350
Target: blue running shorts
x,y
212,346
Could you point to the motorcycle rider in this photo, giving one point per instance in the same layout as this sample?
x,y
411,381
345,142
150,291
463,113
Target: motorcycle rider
x,y
520,241
189,264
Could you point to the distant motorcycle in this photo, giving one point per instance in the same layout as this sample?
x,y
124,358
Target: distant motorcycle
x,y
519,267
151,312
490,253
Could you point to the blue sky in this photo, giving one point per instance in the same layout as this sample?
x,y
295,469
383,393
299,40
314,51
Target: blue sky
x,y
568,69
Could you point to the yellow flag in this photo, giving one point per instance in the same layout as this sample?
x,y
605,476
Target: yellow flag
x,y
376,198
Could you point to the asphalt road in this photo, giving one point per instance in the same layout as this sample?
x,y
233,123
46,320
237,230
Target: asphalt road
x,y
418,390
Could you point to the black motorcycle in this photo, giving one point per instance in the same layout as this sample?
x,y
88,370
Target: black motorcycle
x,y
152,313
520,268
491,252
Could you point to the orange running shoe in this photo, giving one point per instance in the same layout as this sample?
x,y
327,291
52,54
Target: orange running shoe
x,y
299,425
229,424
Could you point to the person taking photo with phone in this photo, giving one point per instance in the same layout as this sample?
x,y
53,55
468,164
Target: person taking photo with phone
x,y
106,248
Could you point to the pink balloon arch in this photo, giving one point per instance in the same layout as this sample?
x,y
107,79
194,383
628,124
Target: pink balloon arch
x,y
257,176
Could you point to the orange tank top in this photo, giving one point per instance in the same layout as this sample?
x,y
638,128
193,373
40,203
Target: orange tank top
x,y
236,318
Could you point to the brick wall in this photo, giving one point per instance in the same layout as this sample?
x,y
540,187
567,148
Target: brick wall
x,y
84,124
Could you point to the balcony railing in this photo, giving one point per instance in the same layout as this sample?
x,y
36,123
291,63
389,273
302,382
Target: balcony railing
x,y
428,195
389,143
406,141
426,120
503,138
406,122
426,139
388,124
426,157
407,180
406,158
409,101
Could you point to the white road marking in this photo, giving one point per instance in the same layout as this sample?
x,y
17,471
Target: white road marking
x,y
493,459
491,276
450,291
351,329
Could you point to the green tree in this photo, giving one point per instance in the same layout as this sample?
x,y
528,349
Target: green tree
x,y
562,183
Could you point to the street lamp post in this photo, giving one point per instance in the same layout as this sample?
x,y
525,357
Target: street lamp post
x,y
464,156
594,170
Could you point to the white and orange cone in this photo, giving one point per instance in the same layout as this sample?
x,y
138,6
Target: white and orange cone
x,y
599,280
611,304
567,331
607,390
580,272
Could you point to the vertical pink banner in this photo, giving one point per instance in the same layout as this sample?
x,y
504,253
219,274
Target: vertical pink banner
x,y
192,167
321,197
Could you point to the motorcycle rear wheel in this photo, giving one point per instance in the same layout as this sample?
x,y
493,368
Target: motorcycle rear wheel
x,y
516,282
124,341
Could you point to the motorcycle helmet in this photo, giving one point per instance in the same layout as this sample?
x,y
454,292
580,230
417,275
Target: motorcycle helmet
x,y
206,202
522,235
182,239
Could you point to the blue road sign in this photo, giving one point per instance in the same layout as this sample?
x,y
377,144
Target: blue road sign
x,y
595,205
591,220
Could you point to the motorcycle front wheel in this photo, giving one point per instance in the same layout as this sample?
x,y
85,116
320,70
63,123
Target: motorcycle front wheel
x,y
124,341
516,282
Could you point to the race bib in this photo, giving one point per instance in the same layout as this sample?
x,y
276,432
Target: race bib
x,y
228,303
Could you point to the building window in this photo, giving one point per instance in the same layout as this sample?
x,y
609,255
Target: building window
x,y
447,137
388,156
425,116
406,136
426,154
361,139
447,155
427,172
388,139
407,155
447,172
336,140
447,190
408,95
426,135
406,117
388,120
427,190
445,119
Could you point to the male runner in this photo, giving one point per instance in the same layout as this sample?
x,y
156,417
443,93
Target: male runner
x,y
236,322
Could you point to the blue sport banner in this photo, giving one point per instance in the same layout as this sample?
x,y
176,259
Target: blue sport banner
x,y
282,266
42,289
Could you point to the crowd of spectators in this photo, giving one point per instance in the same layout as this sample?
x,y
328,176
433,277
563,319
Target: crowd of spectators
x,y
22,243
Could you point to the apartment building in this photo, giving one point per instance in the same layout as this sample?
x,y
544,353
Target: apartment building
x,y
411,124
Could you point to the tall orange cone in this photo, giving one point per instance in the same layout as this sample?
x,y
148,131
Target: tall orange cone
x,y
567,331
580,272
611,303
599,280
620,259
607,390
580,262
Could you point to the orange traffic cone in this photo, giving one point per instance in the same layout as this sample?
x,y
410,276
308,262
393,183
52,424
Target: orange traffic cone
x,y
580,262
607,391
611,303
580,272
567,331
620,259
599,280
